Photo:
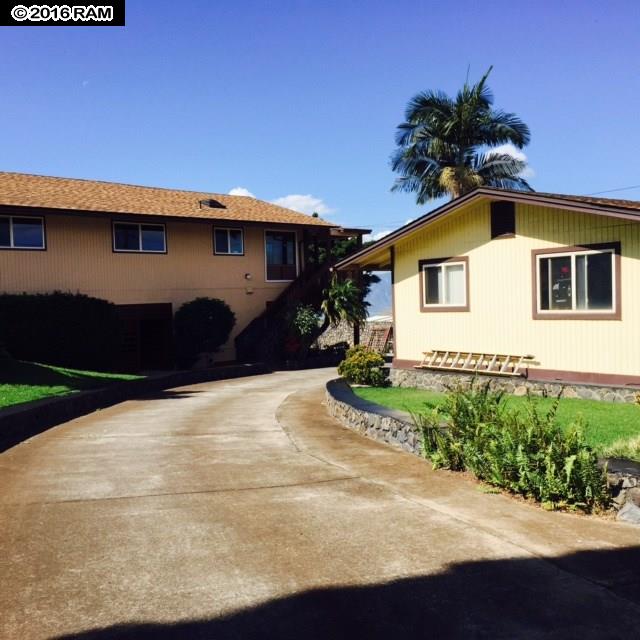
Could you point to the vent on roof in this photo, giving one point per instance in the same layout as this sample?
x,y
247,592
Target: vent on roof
x,y
211,204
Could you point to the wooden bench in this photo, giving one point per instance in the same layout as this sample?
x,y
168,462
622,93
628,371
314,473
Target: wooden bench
x,y
494,364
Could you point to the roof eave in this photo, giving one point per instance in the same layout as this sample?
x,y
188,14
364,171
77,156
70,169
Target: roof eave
x,y
481,192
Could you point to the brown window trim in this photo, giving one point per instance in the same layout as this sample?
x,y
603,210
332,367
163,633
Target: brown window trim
x,y
443,308
616,314
139,225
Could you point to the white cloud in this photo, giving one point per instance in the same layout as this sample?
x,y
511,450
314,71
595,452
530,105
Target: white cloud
x,y
241,191
518,154
304,204
378,235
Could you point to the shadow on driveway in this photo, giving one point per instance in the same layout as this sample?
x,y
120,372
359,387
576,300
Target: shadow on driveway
x,y
515,598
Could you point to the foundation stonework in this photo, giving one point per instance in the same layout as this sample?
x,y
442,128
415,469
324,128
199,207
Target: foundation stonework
x,y
518,386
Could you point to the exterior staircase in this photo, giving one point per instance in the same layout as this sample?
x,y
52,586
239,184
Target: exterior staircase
x,y
263,338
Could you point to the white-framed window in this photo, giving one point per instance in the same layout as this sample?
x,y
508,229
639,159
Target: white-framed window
x,y
576,282
22,232
132,237
444,284
228,242
281,256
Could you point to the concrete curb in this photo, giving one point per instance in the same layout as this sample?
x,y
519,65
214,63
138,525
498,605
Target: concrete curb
x,y
25,421
372,420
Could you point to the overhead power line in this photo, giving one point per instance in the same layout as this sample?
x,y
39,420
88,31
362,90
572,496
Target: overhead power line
x,y
597,193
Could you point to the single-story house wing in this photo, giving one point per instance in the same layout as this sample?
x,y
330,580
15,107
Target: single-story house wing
x,y
552,279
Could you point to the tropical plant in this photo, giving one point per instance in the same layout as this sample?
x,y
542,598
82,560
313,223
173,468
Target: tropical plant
x,y
304,320
444,145
342,300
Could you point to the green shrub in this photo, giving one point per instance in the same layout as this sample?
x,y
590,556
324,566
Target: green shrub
x,y
363,366
525,453
64,329
201,326
304,321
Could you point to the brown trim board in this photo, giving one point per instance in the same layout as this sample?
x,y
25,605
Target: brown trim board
x,y
486,192
575,315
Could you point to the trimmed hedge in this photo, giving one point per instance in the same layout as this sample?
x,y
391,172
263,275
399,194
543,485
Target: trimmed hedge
x,y
65,329
201,326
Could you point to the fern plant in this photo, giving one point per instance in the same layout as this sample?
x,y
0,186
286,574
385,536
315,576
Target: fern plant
x,y
525,453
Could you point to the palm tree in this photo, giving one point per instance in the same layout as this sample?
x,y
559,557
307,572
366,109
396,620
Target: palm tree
x,y
342,300
444,146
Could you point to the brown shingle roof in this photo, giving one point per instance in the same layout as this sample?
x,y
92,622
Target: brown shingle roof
x,y
605,202
25,190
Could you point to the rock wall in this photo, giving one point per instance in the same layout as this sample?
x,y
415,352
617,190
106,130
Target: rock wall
x,y
344,333
374,421
518,386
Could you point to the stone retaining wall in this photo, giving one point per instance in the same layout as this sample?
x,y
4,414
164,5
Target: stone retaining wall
x,y
343,332
395,428
518,386
372,420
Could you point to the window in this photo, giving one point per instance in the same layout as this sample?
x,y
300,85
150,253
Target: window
x,y
228,242
142,238
577,281
281,256
444,284
503,219
17,232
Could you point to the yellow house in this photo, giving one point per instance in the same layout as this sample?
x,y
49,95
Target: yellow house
x,y
553,277
149,250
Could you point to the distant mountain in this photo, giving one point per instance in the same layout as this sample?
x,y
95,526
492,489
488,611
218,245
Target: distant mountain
x,y
380,296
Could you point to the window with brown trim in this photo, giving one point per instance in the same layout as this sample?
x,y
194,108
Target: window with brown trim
x,y
577,282
444,284
132,237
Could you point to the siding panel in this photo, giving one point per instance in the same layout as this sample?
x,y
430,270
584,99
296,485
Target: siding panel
x,y
500,318
79,258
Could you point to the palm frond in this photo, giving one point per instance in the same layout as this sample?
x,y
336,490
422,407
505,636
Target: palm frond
x,y
506,127
501,170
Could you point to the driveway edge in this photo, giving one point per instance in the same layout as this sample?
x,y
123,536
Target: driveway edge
x,y
25,421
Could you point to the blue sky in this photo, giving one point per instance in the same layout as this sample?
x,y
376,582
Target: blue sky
x,y
290,98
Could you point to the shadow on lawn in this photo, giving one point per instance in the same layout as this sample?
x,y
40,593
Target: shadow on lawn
x,y
513,598
15,372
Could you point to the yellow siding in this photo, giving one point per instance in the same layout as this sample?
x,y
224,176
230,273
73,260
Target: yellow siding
x,y
500,317
79,258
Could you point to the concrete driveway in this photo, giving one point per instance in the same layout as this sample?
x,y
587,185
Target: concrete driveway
x,y
239,509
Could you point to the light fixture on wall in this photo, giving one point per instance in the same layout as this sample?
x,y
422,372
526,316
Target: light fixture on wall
x,y
247,276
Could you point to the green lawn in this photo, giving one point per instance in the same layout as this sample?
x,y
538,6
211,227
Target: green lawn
x,y
608,425
26,381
